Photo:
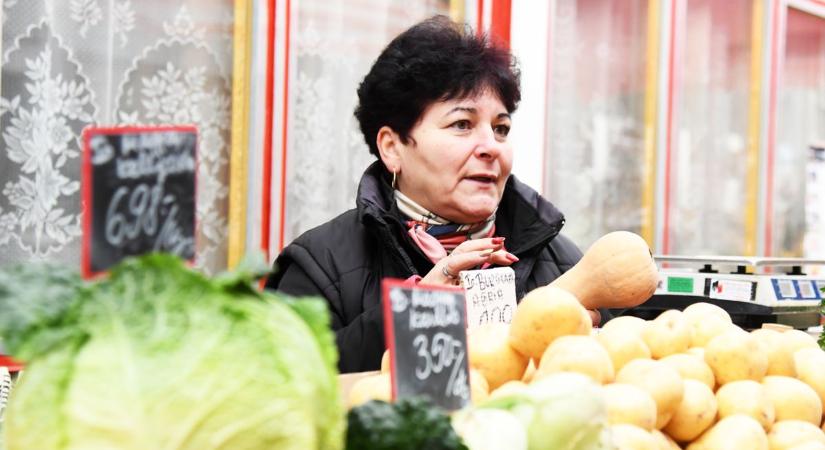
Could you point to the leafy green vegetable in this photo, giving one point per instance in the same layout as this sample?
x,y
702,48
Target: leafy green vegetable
x,y
563,411
158,356
490,429
822,313
408,424
35,300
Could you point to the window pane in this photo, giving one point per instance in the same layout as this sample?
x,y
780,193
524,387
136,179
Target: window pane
x,y
800,122
595,163
709,153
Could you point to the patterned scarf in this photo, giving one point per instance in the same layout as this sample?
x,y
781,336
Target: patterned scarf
x,y
435,236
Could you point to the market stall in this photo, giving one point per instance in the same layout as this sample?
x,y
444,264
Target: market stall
x,y
158,356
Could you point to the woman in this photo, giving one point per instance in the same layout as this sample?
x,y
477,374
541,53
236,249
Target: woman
x,y
435,109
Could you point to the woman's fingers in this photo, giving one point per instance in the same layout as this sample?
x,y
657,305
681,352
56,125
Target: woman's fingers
x,y
457,262
446,271
595,316
494,243
502,258
490,250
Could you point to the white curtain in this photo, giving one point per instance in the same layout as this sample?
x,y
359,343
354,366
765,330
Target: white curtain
x,y
334,44
67,64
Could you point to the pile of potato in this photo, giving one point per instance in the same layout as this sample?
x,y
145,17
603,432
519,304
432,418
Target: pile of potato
x,y
687,379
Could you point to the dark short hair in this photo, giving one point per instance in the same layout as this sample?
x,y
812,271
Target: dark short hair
x,y
435,60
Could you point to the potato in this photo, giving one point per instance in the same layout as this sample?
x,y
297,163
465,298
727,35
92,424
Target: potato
x,y
385,362
667,334
771,342
631,437
736,432
530,371
799,339
508,388
809,364
622,347
691,367
664,441
373,387
791,341
697,351
810,445
793,399
746,397
661,381
695,414
479,388
629,404
787,434
626,325
543,315
706,321
493,356
582,354
736,355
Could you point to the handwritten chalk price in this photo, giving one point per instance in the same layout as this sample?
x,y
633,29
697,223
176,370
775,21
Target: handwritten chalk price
x,y
444,352
491,295
426,334
139,193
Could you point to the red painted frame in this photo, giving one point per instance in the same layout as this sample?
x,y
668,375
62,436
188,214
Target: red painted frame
x,y
266,180
12,365
500,22
674,4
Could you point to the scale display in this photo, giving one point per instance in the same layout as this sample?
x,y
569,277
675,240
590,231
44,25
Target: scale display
x,y
763,289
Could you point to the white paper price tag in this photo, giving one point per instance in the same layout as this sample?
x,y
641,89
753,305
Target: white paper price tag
x,y
491,295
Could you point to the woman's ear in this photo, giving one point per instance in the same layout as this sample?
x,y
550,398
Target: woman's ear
x,y
389,147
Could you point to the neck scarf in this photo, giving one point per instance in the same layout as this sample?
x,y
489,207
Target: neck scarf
x,y
435,236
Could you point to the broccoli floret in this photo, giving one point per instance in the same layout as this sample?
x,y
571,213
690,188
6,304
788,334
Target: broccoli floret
x,y
409,424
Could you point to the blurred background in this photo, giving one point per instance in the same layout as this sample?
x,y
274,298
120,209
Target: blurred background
x,y
699,124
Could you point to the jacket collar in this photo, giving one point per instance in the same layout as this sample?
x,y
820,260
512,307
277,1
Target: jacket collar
x,y
527,219
375,199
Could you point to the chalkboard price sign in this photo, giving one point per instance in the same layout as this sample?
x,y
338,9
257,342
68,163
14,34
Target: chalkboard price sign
x,y
138,193
426,333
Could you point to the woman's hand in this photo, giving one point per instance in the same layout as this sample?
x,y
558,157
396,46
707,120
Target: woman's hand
x,y
466,256
473,254
595,316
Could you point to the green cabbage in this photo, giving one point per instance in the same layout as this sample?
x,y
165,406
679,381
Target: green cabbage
x,y
490,429
564,411
160,357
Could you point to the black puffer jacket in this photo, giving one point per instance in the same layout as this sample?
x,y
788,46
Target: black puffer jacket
x,y
345,259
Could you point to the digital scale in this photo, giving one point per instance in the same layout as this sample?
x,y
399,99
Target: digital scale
x,y
752,290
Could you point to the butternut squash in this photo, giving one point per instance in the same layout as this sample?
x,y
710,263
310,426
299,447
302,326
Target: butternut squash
x,y
617,271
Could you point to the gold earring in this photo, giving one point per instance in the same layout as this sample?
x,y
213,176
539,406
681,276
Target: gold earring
x,y
394,176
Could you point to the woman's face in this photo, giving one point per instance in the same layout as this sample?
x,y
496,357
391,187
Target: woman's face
x,y
459,158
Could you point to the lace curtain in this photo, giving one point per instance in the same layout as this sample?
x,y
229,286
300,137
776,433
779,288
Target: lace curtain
x,y
334,42
67,64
